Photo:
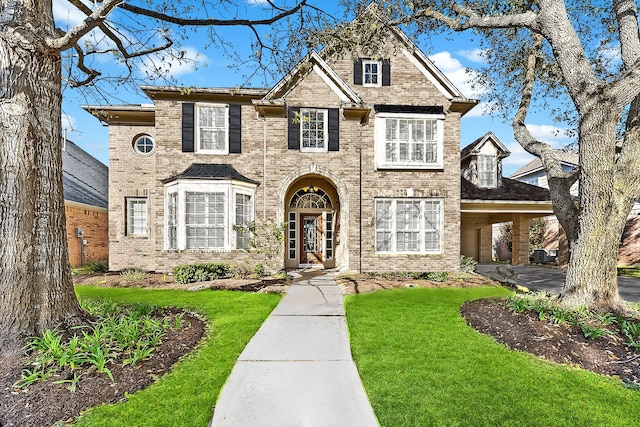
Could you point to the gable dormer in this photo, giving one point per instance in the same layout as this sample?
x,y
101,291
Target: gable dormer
x,y
481,161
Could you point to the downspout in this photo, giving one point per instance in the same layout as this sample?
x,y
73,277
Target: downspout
x,y
360,206
264,166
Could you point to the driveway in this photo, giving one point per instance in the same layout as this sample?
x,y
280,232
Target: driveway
x,y
540,278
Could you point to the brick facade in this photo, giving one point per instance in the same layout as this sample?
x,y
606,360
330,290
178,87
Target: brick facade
x,y
94,243
349,175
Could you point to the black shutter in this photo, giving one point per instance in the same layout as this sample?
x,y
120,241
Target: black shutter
x,y
293,120
188,123
357,72
386,72
334,129
235,128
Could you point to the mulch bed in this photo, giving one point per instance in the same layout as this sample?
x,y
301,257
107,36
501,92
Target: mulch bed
x,y
559,343
45,403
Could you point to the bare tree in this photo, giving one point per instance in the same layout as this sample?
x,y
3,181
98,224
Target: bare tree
x,y
36,290
587,52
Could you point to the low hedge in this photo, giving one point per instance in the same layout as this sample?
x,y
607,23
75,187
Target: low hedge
x,y
190,273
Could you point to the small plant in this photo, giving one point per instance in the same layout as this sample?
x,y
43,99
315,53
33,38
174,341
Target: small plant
x,y
468,264
519,303
133,274
242,271
73,382
632,331
438,276
593,333
259,270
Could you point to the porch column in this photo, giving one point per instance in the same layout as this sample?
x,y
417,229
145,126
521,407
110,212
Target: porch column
x,y
486,243
520,233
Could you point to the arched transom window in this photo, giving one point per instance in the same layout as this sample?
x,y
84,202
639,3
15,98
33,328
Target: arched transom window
x,y
310,198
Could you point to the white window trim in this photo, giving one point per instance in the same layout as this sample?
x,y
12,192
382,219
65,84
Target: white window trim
x,y
365,62
422,230
380,140
324,149
129,200
228,187
138,151
245,192
199,150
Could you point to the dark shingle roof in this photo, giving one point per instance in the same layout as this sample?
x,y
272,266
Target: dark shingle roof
x,y
84,178
211,171
511,190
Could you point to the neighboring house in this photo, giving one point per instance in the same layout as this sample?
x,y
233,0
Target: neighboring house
x,y
488,198
534,173
360,159
86,182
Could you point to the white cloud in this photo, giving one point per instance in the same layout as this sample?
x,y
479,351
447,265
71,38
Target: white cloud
x,y
256,2
473,55
457,73
68,122
550,134
161,64
67,15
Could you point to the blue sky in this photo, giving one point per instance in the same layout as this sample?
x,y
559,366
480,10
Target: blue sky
x,y
453,57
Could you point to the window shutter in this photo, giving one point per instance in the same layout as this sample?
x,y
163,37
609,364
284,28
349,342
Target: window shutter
x,y
188,123
235,128
357,72
334,129
293,121
386,72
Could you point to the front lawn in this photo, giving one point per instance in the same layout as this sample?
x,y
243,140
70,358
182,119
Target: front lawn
x,y
186,396
422,365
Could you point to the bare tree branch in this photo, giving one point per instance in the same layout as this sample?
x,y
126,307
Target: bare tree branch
x,y
90,72
93,20
211,21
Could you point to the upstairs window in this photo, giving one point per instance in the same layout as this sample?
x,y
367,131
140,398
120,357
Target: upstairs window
x,y
313,130
371,73
212,129
409,141
487,171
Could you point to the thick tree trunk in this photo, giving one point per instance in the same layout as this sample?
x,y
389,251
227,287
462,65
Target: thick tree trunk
x,y
591,275
36,291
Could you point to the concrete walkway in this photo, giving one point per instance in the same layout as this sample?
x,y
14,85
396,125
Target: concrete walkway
x,y
297,370
540,278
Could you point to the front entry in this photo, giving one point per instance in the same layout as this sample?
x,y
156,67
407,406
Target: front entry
x,y
311,239
311,224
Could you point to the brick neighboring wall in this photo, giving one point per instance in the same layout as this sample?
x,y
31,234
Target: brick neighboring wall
x,y
94,222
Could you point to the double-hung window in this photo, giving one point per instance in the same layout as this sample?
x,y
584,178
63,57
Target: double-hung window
x,y
313,130
408,226
205,220
371,73
409,141
212,128
203,215
487,171
136,216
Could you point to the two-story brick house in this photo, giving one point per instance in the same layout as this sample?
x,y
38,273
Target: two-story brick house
x,y
359,157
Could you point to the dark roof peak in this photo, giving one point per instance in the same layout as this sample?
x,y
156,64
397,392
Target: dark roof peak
x,y
215,171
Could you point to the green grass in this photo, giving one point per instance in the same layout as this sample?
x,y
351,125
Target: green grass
x,y
423,366
186,395
629,271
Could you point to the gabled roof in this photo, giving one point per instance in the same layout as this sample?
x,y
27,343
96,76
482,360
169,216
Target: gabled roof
x,y
566,157
84,178
210,171
511,190
475,147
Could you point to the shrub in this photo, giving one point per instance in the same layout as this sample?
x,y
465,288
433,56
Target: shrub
x,y
133,274
468,264
190,273
98,266
258,270
242,271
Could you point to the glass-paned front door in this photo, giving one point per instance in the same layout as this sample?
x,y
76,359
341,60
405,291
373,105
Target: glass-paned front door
x,y
311,231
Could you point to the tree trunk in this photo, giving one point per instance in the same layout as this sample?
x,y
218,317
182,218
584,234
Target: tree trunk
x,y
592,275
36,291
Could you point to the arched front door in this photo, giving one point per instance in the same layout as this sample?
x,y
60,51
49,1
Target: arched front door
x,y
311,228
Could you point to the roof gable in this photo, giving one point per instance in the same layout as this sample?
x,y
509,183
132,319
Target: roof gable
x,y
84,178
565,157
476,146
